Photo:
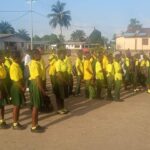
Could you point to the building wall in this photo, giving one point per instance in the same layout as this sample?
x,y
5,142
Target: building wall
x,y
123,43
73,47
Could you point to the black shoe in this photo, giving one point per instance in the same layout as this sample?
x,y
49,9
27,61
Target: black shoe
x,y
3,125
18,127
38,129
63,111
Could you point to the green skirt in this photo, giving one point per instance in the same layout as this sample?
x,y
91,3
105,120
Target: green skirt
x,y
36,95
3,93
16,95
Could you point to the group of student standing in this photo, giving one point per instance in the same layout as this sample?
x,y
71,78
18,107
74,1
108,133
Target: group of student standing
x,y
100,71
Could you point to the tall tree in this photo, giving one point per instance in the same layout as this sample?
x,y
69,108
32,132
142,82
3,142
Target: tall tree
x,y
6,28
24,34
134,25
95,37
78,35
59,17
36,38
53,39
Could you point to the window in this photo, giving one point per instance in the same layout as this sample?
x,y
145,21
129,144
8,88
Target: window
x,y
144,41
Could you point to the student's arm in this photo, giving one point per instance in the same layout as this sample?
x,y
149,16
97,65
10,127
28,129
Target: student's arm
x,y
39,84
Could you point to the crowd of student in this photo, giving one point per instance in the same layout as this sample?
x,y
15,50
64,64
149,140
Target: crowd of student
x,y
100,71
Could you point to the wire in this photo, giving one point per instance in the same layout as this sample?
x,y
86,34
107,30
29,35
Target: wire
x,y
15,11
20,17
40,14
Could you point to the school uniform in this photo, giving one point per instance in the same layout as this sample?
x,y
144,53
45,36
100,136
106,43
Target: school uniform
x,y
68,62
148,75
118,80
110,79
52,70
35,93
3,88
99,79
16,76
89,83
79,64
135,74
43,72
60,84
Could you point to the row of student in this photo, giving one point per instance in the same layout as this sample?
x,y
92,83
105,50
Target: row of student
x,y
100,71
15,88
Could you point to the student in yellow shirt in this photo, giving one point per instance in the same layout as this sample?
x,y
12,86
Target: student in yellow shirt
x,y
17,88
99,76
118,77
110,77
52,69
61,82
36,89
89,77
79,71
3,93
68,62
148,74
142,72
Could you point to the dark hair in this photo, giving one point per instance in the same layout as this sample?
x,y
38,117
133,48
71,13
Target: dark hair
x,y
15,54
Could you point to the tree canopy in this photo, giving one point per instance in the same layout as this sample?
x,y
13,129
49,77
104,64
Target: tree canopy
x,y
59,16
78,35
6,28
134,25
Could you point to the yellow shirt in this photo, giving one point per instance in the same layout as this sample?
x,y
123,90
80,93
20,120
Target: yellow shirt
x,y
99,72
61,66
43,69
3,72
142,63
52,62
87,65
105,62
15,72
109,69
34,69
79,64
69,64
147,63
7,62
127,62
117,70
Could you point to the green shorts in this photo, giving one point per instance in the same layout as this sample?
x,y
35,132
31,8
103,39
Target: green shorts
x,y
16,95
35,94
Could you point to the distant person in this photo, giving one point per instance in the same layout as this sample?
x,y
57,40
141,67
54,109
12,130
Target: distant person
x,y
79,72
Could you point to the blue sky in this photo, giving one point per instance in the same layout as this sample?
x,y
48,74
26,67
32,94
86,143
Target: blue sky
x,y
108,16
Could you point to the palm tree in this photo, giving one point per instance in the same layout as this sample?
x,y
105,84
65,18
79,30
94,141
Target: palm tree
x,y
59,16
6,28
78,35
24,34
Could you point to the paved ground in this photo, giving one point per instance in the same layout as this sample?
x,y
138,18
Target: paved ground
x,y
91,125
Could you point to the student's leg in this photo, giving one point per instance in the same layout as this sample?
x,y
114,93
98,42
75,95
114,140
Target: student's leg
x,y
34,117
98,87
109,88
16,110
70,84
117,90
2,110
78,85
87,88
92,92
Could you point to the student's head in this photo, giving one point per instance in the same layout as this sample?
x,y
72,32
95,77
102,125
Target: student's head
x,y
61,54
100,57
110,58
36,55
117,57
80,54
16,56
68,53
88,56
1,58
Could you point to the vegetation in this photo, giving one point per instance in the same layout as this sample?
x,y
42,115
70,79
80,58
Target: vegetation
x,y
6,28
78,36
59,16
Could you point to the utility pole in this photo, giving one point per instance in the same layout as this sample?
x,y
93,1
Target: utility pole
x,y
31,17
